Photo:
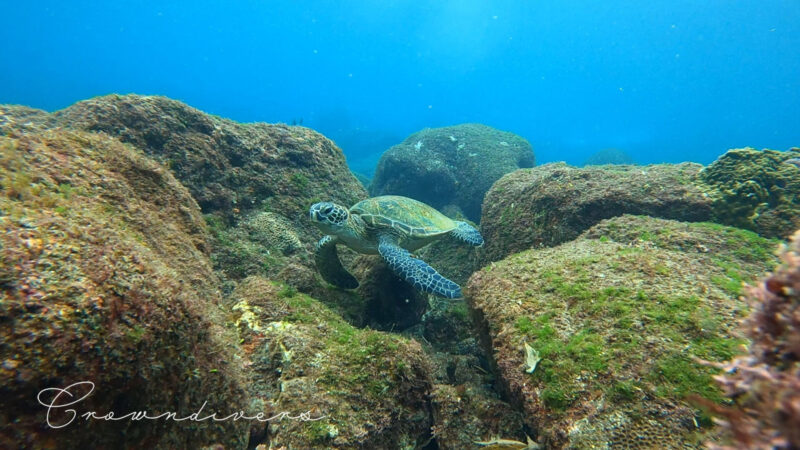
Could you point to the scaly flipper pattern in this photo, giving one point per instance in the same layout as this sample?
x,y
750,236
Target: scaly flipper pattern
x,y
415,271
327,259
467,233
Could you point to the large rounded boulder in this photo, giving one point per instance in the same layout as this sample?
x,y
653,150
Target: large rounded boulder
x,y
451,166
554,203
105,281
599,341
229,167
254,182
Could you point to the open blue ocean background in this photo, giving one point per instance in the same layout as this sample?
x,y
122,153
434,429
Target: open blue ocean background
x,y
663,80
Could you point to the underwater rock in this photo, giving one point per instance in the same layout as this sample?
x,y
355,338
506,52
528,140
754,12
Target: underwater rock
x,y
756,190
387,301
550,204
447,326
466,409
227,166
106,279
765,382
18,119
464,416
242,176
262,243
609,156
371,387
451,165
618,317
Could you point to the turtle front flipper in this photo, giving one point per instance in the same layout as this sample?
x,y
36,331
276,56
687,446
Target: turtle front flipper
x,y
327,259
415,271
467,233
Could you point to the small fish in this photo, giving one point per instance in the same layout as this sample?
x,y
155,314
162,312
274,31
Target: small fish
x,y
794,161
508,444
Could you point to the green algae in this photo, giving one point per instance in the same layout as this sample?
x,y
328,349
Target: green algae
x,y
554,203
361,377
755,190
623,316
564,358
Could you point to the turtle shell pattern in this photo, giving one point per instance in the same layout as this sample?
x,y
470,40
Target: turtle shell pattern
x,y
404,215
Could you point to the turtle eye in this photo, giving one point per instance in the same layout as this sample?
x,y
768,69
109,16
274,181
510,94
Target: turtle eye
x,y
327,210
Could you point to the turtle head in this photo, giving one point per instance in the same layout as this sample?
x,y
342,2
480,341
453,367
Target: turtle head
x,y
329,217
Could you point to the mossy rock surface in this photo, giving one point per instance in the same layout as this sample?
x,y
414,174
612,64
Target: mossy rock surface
x,y
554,203
465,416
18,118
227,166
466,409
235,171
105,278
372,387
254,182
451,165
618,317
385,301
756,190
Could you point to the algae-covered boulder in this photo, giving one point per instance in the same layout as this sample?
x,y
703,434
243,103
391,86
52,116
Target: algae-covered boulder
x,y
386,301
254,182
260,243
554,203
756,190
451,165
369,388
105,278
596,340
228,167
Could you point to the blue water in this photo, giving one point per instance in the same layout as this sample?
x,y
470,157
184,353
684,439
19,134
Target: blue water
x,y
663,80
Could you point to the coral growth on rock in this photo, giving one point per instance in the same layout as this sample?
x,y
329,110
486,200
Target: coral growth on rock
x,y
765,383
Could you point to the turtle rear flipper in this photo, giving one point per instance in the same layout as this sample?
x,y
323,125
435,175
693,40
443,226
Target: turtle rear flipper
x,y
467,233
327,259
415,271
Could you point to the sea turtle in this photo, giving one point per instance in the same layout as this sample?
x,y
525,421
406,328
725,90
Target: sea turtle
x,y
390,226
